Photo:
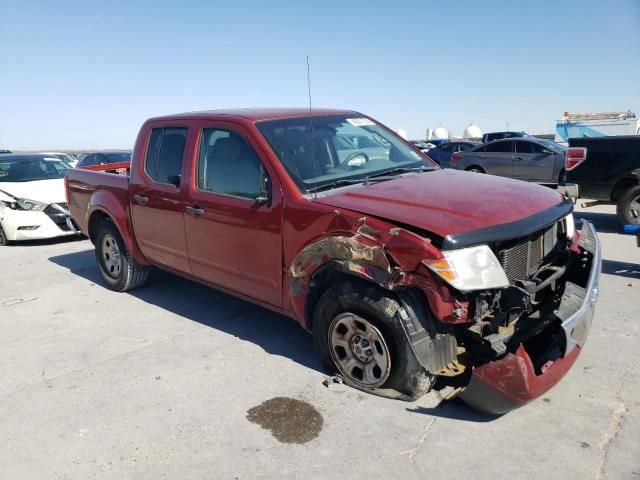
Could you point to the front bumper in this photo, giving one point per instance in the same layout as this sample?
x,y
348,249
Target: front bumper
x,y
503,385
26,225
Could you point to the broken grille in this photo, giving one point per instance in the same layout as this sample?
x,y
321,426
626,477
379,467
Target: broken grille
x,y
58,216
524,259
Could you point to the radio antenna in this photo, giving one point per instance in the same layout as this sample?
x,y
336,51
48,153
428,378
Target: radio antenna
x,y
313,145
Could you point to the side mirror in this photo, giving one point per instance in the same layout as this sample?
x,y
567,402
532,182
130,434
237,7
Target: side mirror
x,y
174,180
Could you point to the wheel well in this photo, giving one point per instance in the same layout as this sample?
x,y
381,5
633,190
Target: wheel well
x,y
474,166
624,184
324,278
94,220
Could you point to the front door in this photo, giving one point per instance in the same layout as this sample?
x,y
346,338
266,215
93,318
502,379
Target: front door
x,y
233,220
158,199
499,158
532,162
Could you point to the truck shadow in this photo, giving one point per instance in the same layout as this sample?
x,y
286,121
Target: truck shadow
x,y
621,269
604,222
274,333
455,409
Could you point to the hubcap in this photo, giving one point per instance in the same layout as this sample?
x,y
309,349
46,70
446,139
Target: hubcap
x,y
634,210
359,350
111,255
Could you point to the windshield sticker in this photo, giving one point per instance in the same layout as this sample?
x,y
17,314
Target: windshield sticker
x,y
360,122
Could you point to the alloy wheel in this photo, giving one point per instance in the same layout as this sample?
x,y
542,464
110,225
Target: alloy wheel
x,y
111,256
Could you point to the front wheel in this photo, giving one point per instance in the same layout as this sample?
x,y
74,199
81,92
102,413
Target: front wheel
x,y
628,208
3,238
357,332
474,169
118,268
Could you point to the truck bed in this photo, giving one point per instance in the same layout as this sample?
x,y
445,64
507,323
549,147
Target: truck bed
x,y
85,185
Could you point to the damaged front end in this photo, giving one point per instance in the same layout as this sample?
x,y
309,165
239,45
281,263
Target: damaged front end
x,y
508,338
527,336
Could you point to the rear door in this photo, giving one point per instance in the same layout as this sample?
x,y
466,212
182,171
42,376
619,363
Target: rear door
x,y
533,162
498,158
158,197
234,216
446,150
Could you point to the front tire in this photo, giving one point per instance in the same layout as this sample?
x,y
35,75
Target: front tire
x,y
357,332
3,238
474,169
118,268
628,207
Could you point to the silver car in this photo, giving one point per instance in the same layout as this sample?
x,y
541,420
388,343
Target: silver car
x,y
530,159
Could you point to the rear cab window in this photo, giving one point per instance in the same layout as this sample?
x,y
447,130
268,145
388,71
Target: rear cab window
x,y
165,152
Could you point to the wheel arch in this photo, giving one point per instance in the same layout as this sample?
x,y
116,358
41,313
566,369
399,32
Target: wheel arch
x,y
625,182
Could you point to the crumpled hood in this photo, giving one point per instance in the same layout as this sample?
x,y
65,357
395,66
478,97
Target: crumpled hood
x,y
447,202
45,191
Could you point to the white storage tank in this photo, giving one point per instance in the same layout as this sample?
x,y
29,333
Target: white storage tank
x,y
402,132
440,133
472,131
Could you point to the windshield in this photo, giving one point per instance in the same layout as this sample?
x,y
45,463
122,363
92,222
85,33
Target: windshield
x,y
31,169
338,149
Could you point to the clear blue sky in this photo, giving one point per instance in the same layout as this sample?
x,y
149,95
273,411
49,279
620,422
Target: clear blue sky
x,y
86,74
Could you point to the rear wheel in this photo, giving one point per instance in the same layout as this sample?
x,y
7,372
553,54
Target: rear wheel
x,y
357,332
118,268
628,208
474,169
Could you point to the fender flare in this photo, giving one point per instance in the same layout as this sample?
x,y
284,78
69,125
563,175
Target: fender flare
x,y
107,203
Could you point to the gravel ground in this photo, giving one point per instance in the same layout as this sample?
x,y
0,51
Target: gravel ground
x,y
175,380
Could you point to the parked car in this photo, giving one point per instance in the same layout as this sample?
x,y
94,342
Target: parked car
x,y
5,151
529,159
441,154
490,137
402,271
104,158
32,198
607,171
65,157
422,145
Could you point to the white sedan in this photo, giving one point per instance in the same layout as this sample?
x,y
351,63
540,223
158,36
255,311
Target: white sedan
x,y
32,198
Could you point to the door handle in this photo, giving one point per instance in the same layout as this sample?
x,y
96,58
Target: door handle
x,y
517,159
141,199
195,211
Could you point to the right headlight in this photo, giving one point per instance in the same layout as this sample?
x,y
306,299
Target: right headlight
x,y
473,268
25,204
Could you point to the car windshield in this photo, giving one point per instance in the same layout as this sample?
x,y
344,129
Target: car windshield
x,y
31,169
324,151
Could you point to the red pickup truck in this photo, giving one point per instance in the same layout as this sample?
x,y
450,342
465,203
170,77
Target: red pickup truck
x,y
404,273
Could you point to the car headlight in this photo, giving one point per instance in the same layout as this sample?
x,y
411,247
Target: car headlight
x,y
473,268
25,204
570,226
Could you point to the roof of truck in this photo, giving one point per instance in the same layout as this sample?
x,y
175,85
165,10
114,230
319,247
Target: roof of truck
x,y
255,114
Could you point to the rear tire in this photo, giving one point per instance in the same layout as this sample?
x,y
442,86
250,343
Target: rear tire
x,y
628,207
474,169
373,313
118,268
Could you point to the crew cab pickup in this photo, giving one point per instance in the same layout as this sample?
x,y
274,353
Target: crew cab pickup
x,y
607,171
404,273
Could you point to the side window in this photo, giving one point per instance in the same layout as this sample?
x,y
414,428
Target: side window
x,y
465,146
500,147
448,147
523,147
228,165
536,147
163,162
